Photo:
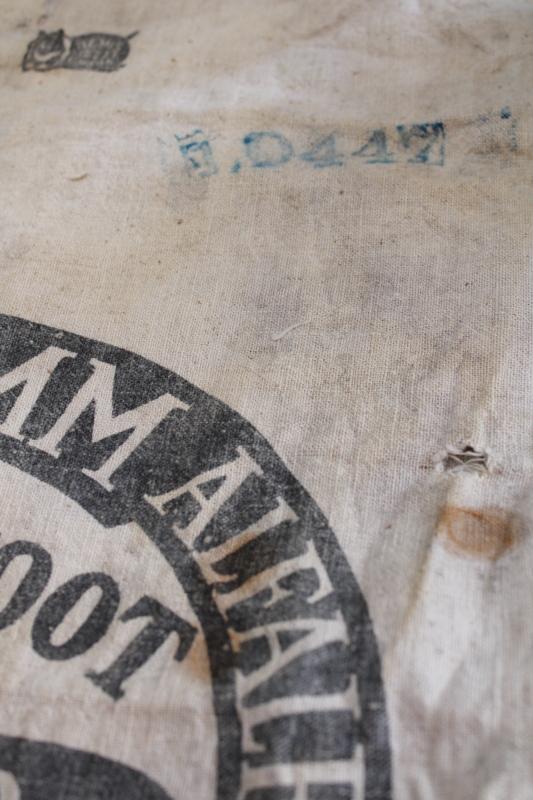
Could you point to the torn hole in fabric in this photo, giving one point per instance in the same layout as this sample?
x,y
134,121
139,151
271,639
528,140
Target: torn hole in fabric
x,y
462,458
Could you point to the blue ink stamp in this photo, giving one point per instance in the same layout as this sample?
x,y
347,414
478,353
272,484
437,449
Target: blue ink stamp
x,y
198,155
497,133
376,150
324,153
505,113
424,141
267,149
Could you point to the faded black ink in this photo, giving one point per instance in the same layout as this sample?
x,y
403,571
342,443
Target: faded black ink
x,y
280,611
103,52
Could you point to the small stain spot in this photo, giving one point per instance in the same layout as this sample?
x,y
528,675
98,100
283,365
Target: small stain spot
x,y
79,177
477,533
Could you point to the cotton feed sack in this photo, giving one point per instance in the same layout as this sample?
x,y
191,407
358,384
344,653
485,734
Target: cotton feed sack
x,y
265,400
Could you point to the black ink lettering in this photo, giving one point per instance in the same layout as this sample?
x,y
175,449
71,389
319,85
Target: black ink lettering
x,y
325,670
312,736
57,606
330,791
260,610
271,793
144,645
181,448
315,791
32,584
253,654
281,543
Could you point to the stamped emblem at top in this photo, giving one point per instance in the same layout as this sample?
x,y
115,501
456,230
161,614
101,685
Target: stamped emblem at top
x,y
103,52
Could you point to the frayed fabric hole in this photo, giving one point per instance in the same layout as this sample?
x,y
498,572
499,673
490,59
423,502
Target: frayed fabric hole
x,y
463,458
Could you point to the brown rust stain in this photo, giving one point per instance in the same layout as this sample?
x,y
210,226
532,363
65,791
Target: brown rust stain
x,y
479,533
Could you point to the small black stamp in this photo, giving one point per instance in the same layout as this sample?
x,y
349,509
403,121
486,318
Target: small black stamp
x,y
103,52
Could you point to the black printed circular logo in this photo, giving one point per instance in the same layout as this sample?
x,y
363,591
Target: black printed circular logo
x,y
170,529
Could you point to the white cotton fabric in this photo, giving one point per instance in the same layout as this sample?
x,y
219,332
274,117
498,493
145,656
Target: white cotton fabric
x,y
364,317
